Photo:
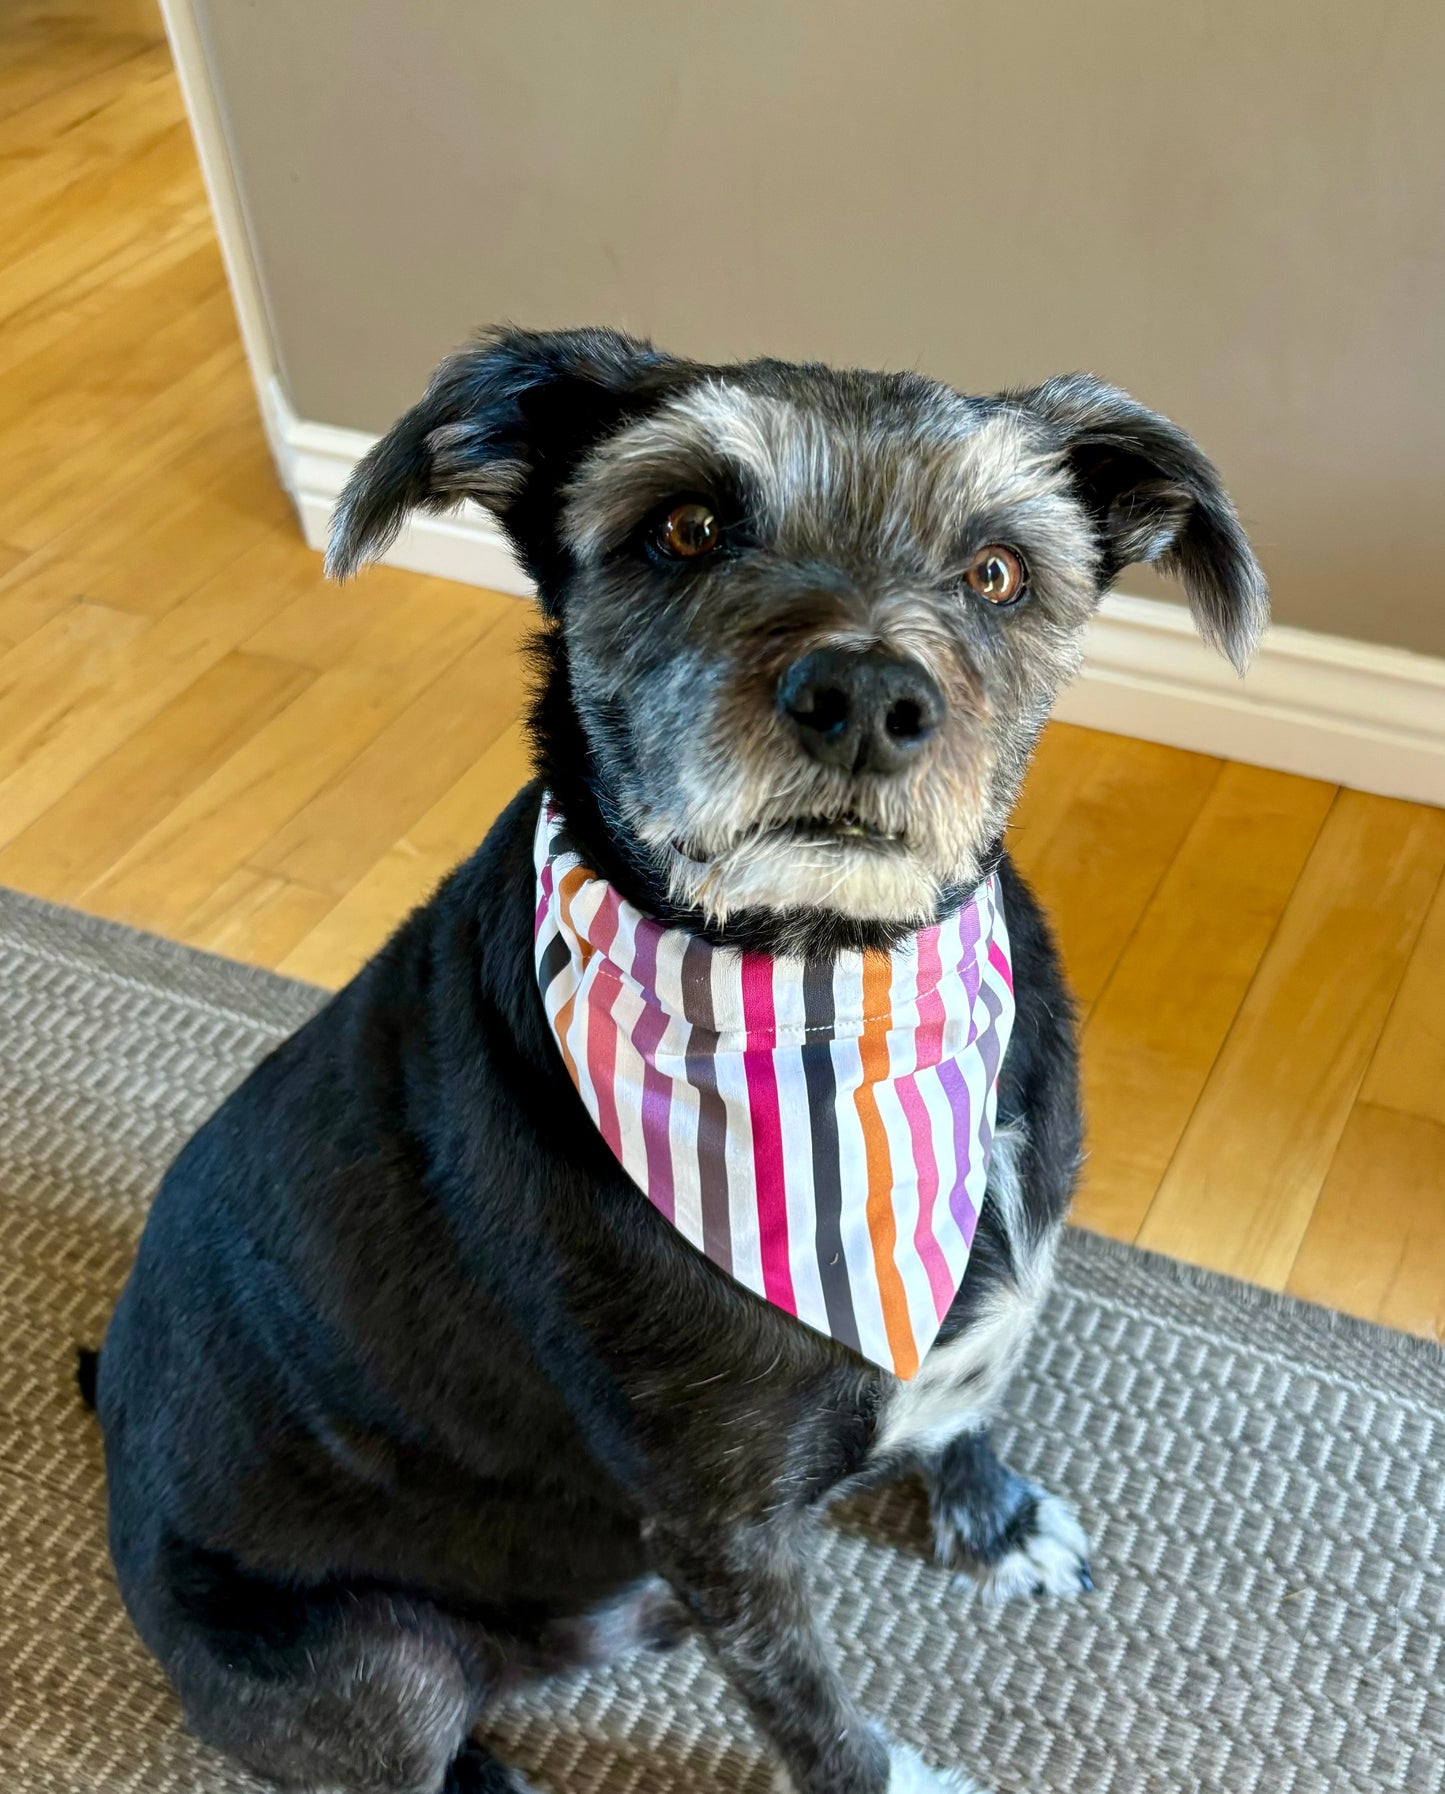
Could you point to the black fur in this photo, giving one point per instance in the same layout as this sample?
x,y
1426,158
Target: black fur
x,y
410,1391
87,1365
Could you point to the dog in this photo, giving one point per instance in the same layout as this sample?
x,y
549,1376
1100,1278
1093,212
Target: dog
x,y
412,1390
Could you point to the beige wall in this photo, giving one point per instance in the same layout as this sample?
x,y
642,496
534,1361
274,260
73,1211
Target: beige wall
x,y
1236,209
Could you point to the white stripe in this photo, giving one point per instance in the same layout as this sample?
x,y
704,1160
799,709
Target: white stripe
x,y
682,1133
732,1086
627,1010
922,1316
853,1221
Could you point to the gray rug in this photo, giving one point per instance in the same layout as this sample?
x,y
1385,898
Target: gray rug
x,y
1264,1485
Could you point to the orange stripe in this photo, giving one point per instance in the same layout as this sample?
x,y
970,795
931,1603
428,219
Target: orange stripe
x,y
882,1230
570,883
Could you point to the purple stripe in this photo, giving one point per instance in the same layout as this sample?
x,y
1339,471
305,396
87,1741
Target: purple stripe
x,y
950,1078
970,923
951,1082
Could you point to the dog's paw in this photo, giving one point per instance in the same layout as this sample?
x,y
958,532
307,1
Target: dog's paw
x,y
909,1774
1044,1551
477,1771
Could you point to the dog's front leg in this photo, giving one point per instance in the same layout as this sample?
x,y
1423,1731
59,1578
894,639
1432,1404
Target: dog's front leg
x,y
747,1591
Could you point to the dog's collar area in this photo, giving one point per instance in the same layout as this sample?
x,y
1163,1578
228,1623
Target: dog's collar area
x,y
819,1129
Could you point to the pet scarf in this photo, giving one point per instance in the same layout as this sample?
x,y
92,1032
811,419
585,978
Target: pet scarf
x,y
819,1130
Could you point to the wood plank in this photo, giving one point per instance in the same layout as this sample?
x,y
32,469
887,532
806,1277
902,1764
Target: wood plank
x,y
63,115
37,590
240,503
407,874
128,456
397,778
44,436
1376,1240
44,680
1100,859
88,705
48,344
54,318
1408,1068
174,868
43,55
323,625
228,450
1064,758
255,917
55,240
51,378
1239,1192
93,823
90,129
147,551
1157,1028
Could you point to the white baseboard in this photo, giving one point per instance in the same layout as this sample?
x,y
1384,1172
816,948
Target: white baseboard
x,y
1319,705
315,459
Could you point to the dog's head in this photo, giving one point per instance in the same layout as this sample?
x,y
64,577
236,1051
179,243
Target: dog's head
x,y
802,627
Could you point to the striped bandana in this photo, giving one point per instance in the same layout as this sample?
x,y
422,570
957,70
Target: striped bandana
x,y
820,1131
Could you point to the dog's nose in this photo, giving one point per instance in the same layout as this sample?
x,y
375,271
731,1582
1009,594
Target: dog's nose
x,y
867,712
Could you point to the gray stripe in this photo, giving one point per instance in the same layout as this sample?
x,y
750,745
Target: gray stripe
x,y
712,1124
988,1045
823,1125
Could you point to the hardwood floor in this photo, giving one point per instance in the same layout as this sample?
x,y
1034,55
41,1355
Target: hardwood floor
x,y
199,736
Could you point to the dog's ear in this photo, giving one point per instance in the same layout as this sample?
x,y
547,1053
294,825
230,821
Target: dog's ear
x,y
503,422
1155,496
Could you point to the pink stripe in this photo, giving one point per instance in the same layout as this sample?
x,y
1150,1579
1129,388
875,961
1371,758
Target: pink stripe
x,y
601,1029
999,962
920,1128
928,966
544,902
761,1024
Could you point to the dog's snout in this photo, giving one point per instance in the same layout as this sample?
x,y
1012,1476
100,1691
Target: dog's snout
x,y
865,711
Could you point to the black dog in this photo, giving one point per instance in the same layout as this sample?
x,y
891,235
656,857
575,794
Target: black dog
x,y
411,1391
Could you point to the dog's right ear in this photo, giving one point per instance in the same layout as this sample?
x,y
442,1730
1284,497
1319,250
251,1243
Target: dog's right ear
x,y
503,422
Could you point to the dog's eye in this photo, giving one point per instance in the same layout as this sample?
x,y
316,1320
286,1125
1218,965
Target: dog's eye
x,y
996,573
690,529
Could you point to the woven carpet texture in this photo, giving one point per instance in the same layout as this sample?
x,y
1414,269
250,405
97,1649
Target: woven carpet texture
x,y
1264,1484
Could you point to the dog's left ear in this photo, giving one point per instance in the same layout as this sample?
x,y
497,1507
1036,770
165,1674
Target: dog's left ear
x,y
503,422
1155,496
